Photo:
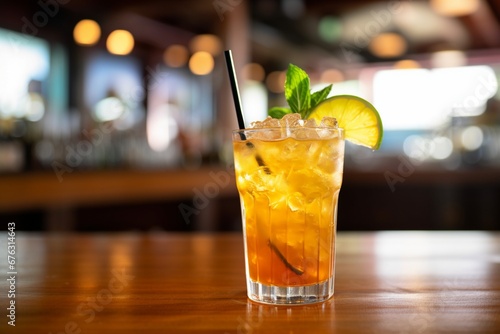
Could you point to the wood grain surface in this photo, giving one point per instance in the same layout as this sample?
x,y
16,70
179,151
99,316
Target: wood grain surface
x,y
386,282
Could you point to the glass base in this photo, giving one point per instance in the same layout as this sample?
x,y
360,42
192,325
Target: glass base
x,y
295,295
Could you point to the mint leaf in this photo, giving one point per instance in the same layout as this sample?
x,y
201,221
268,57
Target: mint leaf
x,y
278,112
320,95
298,94
297,91
316,98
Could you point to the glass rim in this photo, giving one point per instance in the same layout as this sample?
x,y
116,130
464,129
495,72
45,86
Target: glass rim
x,y
243,134
288,127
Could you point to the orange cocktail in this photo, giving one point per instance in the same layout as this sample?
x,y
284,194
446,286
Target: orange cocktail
x,y
289,180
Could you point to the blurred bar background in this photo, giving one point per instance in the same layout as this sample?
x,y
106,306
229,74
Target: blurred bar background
x,y
117,115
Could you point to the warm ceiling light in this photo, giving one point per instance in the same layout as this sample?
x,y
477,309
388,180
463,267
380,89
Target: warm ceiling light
x,y
388,45
455,7
176,55
208,43
254,71
87,32
201,63
120,42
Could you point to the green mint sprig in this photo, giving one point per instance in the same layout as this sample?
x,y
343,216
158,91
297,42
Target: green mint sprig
x,y
298,94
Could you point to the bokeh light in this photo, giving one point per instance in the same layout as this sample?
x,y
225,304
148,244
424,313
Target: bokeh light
x,y
443,148
206,42
275,81
120,42
448,58
330,29
34,107
87,32
254,72
332,75
108,109
455,7
201,63
388,45
406,64
472,138
176,55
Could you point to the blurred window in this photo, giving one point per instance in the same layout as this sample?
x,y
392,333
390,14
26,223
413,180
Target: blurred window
x,y
23,60
423,99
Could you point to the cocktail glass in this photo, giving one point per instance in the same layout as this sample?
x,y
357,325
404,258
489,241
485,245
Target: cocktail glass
x,y
288,180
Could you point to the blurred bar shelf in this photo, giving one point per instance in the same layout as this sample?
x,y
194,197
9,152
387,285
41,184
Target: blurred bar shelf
x,y
43,189
130,199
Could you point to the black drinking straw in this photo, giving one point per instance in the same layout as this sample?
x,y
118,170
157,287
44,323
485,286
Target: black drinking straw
x,y
234,88
237,105
241,124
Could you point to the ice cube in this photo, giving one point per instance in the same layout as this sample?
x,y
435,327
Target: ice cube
x,y
257,125
329,122
326,127
290,120
304,129
305,133
311,123
296,202
269,122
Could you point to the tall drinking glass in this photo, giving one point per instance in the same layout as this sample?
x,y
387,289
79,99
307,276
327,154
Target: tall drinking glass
x,y
289,180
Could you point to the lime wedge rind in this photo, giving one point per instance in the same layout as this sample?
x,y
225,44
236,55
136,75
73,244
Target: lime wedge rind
x,y
358,117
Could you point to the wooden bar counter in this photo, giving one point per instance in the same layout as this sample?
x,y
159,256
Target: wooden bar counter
x,y
386,282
